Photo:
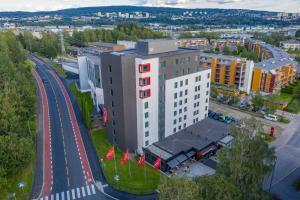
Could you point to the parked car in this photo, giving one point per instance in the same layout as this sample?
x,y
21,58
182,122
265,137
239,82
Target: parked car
x,y
222,118
216,116
271,117
211,114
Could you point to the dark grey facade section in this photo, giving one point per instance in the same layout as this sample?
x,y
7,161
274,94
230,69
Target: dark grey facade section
x,y
149,47
120,99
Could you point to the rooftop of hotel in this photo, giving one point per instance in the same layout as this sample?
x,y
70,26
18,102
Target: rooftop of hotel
x,y
197,136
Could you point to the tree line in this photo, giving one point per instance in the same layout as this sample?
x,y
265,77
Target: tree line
x,y
49,45
17,109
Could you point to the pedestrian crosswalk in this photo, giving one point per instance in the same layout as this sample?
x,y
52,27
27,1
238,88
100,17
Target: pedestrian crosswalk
x,y
76,193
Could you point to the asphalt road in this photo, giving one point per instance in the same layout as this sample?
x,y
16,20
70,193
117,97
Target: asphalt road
x,y
72,162
287,168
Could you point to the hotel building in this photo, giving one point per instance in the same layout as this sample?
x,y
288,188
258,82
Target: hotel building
x,y
152,92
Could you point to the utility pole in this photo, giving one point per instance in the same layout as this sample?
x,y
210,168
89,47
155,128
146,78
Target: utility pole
x,y
62,43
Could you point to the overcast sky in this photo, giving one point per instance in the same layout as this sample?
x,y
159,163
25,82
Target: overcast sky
x,y
42,5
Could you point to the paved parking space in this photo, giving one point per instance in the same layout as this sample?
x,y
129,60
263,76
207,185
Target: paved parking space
x,y
239,114
195,169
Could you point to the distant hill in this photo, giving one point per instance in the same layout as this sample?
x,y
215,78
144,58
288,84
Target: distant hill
x,y
154,10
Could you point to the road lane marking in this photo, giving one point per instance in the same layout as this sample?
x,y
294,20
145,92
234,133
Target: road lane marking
x,y
73,194
88,190
78,193
93,189
57,196
83,192
52,197
68,195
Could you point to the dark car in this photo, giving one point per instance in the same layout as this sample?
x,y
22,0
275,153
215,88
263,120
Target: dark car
x,y
211,114
216,116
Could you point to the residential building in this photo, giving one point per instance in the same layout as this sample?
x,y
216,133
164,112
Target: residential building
x,y
290,45
229,70
269,76
152,92
192,42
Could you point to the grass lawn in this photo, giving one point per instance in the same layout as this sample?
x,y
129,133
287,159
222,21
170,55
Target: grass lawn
x,y
285,97
58,68
268,138
85,103
142,180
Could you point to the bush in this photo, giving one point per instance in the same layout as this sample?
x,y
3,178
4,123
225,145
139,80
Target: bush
x,y
283,119
296,185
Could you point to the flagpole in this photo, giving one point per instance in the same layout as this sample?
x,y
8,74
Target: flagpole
x,y
115,161
129,166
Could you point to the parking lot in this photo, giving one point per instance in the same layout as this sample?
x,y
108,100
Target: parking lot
x,y
239,114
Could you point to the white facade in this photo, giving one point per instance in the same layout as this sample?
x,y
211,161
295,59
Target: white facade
x,y
83,76
187,99
147,108
248,77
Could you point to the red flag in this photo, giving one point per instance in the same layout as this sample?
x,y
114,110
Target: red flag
x,y
156,163
125,158
104,115
141,161
110,154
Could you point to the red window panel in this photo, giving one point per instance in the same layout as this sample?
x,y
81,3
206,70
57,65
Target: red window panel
x,y
144,81
145,93
144,68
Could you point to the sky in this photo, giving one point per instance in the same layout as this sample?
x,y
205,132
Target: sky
x,y
47,5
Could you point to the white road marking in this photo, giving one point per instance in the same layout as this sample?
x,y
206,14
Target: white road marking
x,y
83,192
93,189
68,195
78,192
52,197
57,196
88,190
46,198
73,194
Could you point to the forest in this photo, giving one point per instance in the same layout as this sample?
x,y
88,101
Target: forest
x,y
17,110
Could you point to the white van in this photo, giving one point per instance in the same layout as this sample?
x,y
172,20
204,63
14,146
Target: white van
x,y
271,117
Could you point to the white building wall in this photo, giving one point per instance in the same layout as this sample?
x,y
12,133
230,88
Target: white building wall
x,y
152,103
248,77
83,75
194,104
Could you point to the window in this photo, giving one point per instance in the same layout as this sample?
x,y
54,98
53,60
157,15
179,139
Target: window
x,y
146,105
174,130
185,100
199,78
186,92
207,85
113,113
206,100
186,81
146,133
175,104
184,125
144,81
110,80
109,68
147,143
111,92
146,124
176,61
163,64
143,68
184,117
175,95
175,85
114,122
198,87
175,113
181,93
112,104
146,115
185,109
174,121
180,111
179,128
180,102
205,107
179,119
207,92
181,83
145,93
196,79
208,75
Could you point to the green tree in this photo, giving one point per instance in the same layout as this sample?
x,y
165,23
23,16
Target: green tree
x,y
258,101
271,103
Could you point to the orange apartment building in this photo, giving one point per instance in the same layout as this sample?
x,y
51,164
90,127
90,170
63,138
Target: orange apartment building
x,y
271,75
192,42
229,70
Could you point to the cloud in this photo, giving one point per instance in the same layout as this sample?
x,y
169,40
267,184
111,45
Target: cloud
x,y
222,1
